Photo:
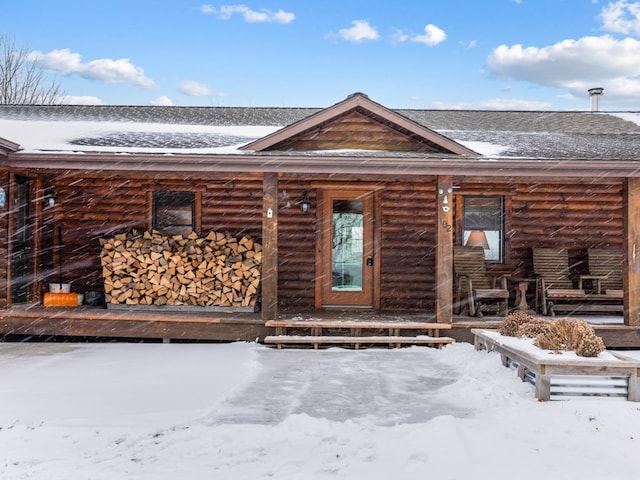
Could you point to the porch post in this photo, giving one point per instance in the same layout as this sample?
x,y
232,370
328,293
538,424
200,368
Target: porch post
x,y
270,246
631,226
444,250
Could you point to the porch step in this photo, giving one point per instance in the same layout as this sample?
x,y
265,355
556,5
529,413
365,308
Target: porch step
x,y
356,333
356,341
364,325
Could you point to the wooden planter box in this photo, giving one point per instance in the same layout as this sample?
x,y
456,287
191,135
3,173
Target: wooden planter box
x,y
564,375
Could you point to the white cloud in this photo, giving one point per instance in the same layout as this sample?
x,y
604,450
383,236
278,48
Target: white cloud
x,y
398,36
80,100
575,65
162,101
107,70
225,12
194,89
360,31
621,17
432,36
494,104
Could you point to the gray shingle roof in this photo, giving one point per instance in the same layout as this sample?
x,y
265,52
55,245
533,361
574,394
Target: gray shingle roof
x,y
531,134
223,116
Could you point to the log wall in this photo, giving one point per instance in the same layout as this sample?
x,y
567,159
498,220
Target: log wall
x,y
575,214
407,246
90,207
296,246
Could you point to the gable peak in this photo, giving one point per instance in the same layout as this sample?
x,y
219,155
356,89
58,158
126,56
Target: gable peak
x,y
333,129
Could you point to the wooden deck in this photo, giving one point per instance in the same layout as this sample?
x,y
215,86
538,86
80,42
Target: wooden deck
x,y
38,321
28,321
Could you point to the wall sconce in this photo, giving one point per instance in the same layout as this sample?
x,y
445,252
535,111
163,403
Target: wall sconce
x,y
305,203
49,199
477,238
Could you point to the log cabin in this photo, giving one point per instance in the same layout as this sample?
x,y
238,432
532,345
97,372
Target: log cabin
x,y
350,211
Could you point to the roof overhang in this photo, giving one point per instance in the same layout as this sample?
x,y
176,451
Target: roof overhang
x,y
323,164
7,146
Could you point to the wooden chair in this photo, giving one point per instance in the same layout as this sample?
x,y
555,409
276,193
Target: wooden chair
x,y
551,267
605,272
472,284
554,285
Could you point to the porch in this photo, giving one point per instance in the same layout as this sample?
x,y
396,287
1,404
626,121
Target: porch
x,y
29,321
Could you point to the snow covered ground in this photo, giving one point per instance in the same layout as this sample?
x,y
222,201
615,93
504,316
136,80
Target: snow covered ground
x,y
244,411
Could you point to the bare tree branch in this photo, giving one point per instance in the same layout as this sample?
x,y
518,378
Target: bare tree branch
x,y
22,81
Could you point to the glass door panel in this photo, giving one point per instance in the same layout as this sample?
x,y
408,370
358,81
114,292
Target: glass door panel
x,y
348,251
21,242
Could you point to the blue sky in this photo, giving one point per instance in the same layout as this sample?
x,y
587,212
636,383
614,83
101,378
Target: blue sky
x,y
468,54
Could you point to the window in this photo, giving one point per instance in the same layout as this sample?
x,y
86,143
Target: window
x,y
483,224
174,212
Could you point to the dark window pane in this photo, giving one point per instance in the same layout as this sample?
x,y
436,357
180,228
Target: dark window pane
x,y
173,212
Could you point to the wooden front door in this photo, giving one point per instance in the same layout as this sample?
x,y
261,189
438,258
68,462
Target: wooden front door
x,y
347,250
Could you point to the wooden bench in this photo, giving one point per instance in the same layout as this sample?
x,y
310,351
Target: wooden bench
x,y
359,333
555,290
605,272
562,376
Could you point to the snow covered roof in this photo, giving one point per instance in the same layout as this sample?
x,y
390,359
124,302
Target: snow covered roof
x,y
222,130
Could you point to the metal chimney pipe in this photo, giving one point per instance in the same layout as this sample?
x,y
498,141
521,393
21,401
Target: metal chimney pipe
x,y
594,94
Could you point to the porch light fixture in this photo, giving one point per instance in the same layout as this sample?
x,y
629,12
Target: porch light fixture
x,y
477,238
305,203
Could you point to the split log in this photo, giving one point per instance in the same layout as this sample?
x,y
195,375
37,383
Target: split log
x,y
154,269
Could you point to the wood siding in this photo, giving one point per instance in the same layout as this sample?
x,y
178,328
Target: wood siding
x,y
575,215
357,130
296,246
407,246
91,207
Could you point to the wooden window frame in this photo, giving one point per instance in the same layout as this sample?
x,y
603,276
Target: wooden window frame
x,y
195,203
506,221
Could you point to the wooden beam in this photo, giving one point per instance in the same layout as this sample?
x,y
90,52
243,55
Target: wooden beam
x,y
444,250
631,222
270,247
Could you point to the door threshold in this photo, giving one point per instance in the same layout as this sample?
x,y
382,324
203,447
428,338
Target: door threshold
x,y
347,307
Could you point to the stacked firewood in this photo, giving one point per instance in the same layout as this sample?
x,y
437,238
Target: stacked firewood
x,y
154,269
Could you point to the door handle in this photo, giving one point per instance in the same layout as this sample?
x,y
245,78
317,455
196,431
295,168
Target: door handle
x,y
369,261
